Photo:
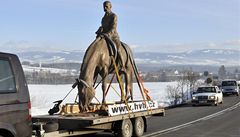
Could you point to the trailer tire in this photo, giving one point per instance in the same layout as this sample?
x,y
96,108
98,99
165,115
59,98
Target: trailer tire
x,y
50,127
138,126
123,128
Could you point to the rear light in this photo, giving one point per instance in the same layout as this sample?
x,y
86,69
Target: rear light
x,y
29,105
29,117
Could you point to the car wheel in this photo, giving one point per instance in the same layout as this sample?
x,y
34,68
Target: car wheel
x,y
221,102
216,104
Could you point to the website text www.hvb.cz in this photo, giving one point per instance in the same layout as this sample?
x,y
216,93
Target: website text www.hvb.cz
x,y
131,107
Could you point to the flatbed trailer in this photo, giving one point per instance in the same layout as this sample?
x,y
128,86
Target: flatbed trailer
x,y
123,125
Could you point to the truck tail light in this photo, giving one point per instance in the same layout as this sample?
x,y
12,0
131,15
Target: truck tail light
x,y
29,117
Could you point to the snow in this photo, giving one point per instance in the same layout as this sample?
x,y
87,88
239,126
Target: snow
x,y
206,51
175,57
43,96
50,70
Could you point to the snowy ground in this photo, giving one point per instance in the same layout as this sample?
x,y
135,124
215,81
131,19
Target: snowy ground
x,y
42,96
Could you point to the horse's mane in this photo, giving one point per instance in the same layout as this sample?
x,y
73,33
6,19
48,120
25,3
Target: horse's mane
x,y
89,50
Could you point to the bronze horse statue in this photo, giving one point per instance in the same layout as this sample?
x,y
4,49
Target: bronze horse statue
x,y
97,61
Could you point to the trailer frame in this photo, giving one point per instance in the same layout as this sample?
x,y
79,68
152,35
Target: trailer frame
x,y
89,123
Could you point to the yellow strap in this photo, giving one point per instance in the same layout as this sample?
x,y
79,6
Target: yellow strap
x,y
120,82
118,76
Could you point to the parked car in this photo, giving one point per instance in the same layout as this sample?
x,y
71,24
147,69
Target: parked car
x,y
207,95
230,86
15,117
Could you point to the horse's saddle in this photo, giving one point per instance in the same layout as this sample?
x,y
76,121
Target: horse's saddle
x,y
112,48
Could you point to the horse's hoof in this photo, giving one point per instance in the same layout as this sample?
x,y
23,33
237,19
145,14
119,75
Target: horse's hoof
x,y
123,69
122,101
127,98
103,107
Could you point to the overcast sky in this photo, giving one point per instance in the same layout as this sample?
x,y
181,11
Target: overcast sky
x,y
146,25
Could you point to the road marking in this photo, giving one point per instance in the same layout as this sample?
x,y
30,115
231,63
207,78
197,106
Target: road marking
x,y
168,130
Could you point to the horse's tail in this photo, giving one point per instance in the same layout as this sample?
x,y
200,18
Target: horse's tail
x,y
128,53
135,70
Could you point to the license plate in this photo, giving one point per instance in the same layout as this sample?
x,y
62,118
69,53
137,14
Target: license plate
x,y
202,101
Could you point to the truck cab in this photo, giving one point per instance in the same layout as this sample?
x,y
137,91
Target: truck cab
x,y
15,117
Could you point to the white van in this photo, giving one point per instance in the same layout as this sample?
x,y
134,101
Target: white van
x,y
230,86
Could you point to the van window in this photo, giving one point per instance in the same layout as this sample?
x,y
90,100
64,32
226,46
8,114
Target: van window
x,y
7,80
229,83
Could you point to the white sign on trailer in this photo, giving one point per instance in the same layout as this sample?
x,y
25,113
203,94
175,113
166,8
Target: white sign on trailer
x,y
118,109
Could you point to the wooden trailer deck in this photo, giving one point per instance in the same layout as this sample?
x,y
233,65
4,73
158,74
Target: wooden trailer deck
x,y
73,121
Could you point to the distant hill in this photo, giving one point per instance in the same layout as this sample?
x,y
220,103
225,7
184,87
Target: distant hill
x,y
210,57
61,67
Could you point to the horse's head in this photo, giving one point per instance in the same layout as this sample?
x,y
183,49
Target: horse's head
x,y
86,94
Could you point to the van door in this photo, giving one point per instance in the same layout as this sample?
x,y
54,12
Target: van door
x,y
15,118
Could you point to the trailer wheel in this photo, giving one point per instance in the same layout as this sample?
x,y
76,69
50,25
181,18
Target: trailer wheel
x,y
123,128
138,127
50,127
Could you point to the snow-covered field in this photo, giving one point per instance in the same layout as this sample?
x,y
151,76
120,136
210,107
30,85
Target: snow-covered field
x,y
43,96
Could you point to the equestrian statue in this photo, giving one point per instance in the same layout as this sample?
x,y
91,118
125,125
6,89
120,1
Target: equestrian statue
x,y
99,59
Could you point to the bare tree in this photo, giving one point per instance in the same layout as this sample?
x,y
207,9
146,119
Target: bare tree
x,y
182,82
174,94
192,79
222,72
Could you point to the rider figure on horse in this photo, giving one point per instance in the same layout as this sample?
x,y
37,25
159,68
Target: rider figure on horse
x,y
109,26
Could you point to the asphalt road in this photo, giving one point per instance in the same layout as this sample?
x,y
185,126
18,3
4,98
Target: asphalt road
x,y
226,124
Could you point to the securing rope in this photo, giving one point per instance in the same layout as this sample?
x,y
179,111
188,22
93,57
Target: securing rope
x,y
137,77
116,91
140,83
109,85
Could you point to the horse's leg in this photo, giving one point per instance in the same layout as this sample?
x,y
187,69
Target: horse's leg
x,y
131,85
119,83
128,84
104,87
104,84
